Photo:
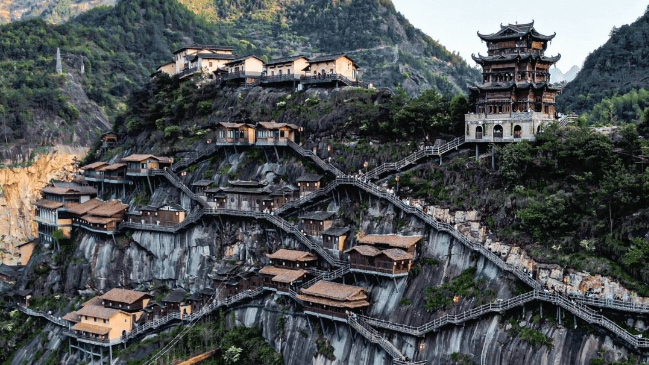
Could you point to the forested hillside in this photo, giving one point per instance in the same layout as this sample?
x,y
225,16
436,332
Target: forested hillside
x,y
616,68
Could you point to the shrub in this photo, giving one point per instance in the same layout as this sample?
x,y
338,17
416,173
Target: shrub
x,y
404,302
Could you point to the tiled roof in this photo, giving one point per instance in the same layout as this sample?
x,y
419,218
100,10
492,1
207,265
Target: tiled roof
x,y
246,183
49,204
242,190
282,275
108,209
72,317
275,125
83,189
333,303
214,56
335,291
392,240
85,207
207,291
112,167
196,296
97,311
139,158
98,220
124,296
365,250
285,60
318,216
231,125
92,301
87,327
309,178
212,47
240,59
326,58
94,165
175,296
397,254
336,231
292,255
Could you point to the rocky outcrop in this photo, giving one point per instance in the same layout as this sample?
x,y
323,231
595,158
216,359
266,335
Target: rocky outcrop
x,y
21,186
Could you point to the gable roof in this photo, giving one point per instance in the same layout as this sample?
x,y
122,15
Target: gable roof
x,y
87,327
336,231
335,291
309,178
211,47
112,167
278,61
49,204
282,275
275,125
214,56
69,189
175,296
292,255
365,250
97,311
397,254
93,165
108,209
317,216
241,59
392,240
85,207
124,296
202,183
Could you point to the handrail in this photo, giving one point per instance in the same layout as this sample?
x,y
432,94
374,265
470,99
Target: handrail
x,y
306,153
414,157
578,309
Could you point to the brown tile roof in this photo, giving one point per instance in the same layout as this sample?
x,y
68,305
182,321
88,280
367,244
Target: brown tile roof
x,y
108,209
231,125
275,125
308,177
72,317
94,165
97,311
59,191
124,296
92,301
334,303
397,254
292,255
85,207
392,240
137,158
282,275
49,204
87,327
335,291
365,250
112,167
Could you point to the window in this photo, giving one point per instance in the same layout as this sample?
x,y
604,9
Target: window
x,y
210,64
221,134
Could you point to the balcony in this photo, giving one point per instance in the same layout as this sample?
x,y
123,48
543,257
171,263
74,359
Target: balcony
x,y
240,75
376,270
330,78
278,79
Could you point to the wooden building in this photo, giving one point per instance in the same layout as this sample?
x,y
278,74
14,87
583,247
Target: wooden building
x,y
292,259
308,183
25,251
200,186
284,70
334,300
126,300
314,223
245,195
114,173
91,171
515,99
108,140
387,241
281,279
283,195
103,218
196,57
52,211
235,133
272,133
174,301
140,165
166,215
335,239
215,198
393,261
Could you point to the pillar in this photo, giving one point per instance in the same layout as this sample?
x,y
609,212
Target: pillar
x,y
493,157
476,152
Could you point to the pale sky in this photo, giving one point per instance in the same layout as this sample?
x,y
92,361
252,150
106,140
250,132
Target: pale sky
x,y
581,25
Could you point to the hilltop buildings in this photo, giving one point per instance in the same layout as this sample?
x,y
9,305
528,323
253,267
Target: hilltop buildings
x,y
218,63
515,98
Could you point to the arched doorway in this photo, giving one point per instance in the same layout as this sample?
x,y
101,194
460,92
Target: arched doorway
x,y
518,131
538,129
478,132
498,131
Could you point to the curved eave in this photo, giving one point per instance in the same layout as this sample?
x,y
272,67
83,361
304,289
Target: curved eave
x,y
478,59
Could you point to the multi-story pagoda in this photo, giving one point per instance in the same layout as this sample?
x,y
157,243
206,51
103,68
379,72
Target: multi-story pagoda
x,y
515,98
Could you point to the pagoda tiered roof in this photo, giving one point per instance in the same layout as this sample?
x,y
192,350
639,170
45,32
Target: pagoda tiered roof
x,y
516,32
481,60
507,85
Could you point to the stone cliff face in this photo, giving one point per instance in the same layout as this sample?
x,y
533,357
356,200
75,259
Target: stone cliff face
x,y
21,186
53,10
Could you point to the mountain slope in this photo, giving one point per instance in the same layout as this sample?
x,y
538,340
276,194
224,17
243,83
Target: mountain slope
x,y
620,65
